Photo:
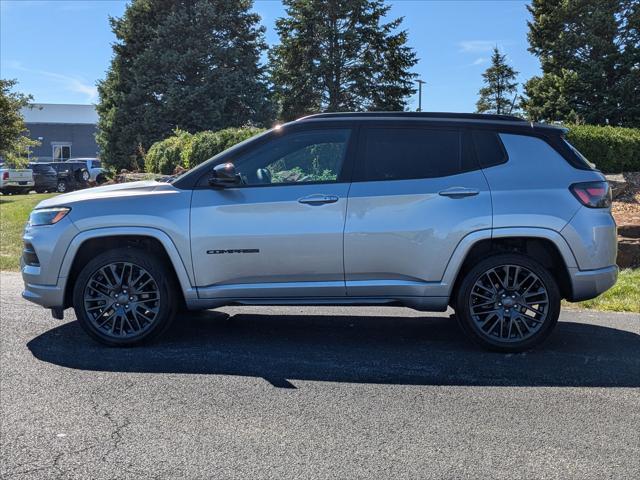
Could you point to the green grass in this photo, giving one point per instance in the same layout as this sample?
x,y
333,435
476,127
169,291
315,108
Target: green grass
x,y
15,209
14,212
624,296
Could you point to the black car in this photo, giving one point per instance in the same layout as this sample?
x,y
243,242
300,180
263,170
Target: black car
x,y
71,175
45,178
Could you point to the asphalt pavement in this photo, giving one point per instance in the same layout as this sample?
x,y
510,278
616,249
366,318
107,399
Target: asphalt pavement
x,y
344,393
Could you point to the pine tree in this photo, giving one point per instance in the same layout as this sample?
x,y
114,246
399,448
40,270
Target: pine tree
x,y
188,64
339,55
498,94
589,52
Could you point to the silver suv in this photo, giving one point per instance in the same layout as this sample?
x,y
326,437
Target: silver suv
x,y
494,216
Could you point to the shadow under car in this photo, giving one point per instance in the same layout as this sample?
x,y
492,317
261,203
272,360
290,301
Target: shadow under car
x,y
360,349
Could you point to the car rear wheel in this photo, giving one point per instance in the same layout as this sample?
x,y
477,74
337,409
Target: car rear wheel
x,y
508,303
123,297
62,186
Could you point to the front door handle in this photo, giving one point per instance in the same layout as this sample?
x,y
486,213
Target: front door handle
x,y
318,199
458,192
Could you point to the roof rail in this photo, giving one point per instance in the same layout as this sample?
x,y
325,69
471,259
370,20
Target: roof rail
x,y
454,115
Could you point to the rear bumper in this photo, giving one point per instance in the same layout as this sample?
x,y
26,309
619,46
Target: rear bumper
x,y
587,284
9,185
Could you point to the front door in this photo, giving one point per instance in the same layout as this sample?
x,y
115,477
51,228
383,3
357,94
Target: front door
x,y
416,193
279,233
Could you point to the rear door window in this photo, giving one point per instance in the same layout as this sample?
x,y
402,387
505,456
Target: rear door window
x,y
397,153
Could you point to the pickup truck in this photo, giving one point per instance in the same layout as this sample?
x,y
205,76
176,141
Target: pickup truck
x,y
15,180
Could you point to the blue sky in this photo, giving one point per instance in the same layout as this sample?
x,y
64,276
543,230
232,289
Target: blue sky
x,y
59,49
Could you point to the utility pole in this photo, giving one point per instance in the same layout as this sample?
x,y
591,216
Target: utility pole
x,y
420,82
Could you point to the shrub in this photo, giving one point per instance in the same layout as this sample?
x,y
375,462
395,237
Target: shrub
x,y
164,156
189,150
612,149
205,145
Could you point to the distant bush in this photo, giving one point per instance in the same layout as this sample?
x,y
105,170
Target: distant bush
x,y
189,150
164,156
612,149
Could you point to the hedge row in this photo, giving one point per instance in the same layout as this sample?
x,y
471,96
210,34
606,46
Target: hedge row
x,y
612,149
188,150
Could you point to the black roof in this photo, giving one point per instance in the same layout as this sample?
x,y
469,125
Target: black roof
x,y
436,117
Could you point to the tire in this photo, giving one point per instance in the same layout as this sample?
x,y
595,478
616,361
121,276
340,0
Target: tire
x,y
135,312
62,186
84,175
512,319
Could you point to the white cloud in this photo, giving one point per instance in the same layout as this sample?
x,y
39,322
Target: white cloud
x,y
476,46
479,61
73,84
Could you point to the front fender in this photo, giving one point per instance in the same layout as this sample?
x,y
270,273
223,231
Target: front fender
x,y
182,273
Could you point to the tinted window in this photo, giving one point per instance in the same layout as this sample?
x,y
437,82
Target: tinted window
x,y
299,157
489,148
405,153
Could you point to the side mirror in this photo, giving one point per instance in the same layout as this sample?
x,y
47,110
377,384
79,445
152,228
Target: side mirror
x,y
224,175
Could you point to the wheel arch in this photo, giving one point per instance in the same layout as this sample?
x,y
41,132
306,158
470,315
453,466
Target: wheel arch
x,y
85,245
545,246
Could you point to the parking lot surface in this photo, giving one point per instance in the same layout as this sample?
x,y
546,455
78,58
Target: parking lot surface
x,y
286,392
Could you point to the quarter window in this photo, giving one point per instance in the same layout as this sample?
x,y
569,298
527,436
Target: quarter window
x,y
489,148
301,157
409,153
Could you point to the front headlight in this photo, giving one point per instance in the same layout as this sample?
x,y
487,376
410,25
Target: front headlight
x,y
48,216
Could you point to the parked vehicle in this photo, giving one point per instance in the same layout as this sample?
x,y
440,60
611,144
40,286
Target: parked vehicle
x,y
491,215
95,172
71,175
15,180
45,178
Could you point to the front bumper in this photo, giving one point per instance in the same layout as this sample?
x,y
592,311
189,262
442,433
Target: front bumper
x,y
587,284
48,296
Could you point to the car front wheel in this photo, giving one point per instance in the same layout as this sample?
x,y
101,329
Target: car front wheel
x,y
508,303
124,297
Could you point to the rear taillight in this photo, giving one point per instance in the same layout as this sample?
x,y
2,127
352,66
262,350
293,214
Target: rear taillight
x,y
592,194
5,175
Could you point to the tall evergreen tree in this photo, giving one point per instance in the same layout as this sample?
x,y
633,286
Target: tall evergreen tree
x,y
339,55
589,54
188,64
497,96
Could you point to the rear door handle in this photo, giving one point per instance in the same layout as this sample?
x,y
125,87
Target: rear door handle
x,y
318,199
458,192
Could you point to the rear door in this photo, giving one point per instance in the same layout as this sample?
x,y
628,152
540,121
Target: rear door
x,y
417,191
